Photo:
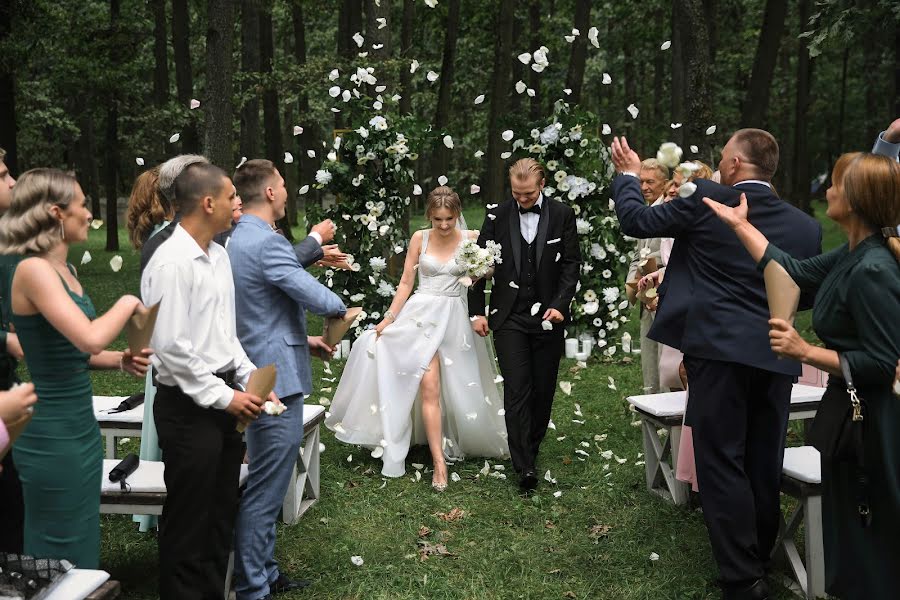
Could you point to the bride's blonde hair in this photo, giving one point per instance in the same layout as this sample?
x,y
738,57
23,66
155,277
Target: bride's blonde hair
x,y
443,197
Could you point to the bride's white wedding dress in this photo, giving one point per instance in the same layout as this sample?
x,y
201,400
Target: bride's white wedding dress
x,y
377,400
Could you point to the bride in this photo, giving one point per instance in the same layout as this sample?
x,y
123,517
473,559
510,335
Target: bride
x,y
421,375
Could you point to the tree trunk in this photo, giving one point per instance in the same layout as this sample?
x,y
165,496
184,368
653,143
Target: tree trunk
x,y
800,162
711,10
219,72
678,74
271,114
517,69
842,107
441,161
406,43
251,66
85,162
375,35
111,168
756,103
160,54
535,20
184,77
578,54
311,129
495,176
8,94
699,72
349,23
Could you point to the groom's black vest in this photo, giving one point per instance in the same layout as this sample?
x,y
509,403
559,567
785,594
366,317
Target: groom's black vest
x,y
527,294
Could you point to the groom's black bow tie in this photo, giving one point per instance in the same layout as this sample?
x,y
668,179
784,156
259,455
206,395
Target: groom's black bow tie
x,y
536,209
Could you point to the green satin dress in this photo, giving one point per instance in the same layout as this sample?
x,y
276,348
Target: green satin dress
x,y
60,454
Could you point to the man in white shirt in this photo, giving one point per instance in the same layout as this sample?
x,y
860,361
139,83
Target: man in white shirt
x,y
201,369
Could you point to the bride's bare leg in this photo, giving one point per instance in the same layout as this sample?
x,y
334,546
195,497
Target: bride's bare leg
x,y
430,393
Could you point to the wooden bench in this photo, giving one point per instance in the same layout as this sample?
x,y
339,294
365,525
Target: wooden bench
x,y
665,412
802,479
303,490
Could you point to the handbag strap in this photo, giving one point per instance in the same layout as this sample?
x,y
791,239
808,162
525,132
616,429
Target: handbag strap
x,y
858,431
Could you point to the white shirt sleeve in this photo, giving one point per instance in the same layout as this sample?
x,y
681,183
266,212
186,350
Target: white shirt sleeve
x,y
315,235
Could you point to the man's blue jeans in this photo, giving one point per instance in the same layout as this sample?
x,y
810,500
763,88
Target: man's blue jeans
x,y
273,443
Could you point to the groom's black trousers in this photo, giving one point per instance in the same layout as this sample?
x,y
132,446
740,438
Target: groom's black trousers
x,y
739,417
529,361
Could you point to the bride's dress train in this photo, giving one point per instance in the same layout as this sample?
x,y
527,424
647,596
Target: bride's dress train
x,y
376,403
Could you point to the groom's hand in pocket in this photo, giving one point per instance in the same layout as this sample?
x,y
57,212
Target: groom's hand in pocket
x,y
553,315
480,326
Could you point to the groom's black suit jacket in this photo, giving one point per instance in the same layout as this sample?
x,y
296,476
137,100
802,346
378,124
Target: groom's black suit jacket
x,y
556,276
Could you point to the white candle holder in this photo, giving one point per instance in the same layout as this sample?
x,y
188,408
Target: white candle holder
x,y
571,347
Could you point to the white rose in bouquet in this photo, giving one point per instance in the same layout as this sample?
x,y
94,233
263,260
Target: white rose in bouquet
x,y
669,154
477,261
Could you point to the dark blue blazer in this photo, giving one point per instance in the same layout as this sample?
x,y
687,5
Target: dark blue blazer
x,y
713,299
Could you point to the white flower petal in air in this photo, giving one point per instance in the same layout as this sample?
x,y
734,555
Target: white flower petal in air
x,y
520,87
333,75
687,189
474,189
379,89
96,223
498,379
538,67
507,135
115,263
303,190
479,153
357,560
592,36
633,111
606,129
382,22
505,155
311,153
86,257
694,149
442,180
524,58
417,190
288,158
448,141
535,308
195,103
566,387
334,91
530,92
567,91
377,452
546,325
358,38
710,130
514,285
413,66
675,125
569,38
345,96
666,45
297,130
606,79
175,137
139,161
479,99
431,3
432,76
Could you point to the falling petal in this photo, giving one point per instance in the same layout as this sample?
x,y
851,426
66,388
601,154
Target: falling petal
x,y
694,149
607,79
311,153
505,155
474,189
513,284
535,308
479,153
413,66
448,142
606,129
530,93
479,99
592,36
115,263
86,257
358,38
675,125
666,45
382,22
195,103
633,111
241,164
546,325
507,135
139,161
524,58
520,87
175,137
432,76
288,158
567,91
569,38
334,91
350,458
558,256
417,190
498,379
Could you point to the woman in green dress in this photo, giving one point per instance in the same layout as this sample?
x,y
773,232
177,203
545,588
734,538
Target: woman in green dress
x,y
60,455
857,315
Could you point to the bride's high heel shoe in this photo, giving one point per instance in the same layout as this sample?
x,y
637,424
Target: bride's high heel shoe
x,y
439,486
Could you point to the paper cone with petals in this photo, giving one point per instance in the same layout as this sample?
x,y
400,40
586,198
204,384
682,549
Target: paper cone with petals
x,y
335,328
260,384
15,429
139,329
782,292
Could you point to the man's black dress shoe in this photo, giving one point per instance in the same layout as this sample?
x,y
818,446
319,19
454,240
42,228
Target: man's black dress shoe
x,y
286,584
758,590
528,481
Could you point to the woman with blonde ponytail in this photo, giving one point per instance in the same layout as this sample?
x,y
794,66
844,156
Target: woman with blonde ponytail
x,y
857,316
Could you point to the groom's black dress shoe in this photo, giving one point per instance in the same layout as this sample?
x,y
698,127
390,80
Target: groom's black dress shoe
x,y
528,480
286,584
758,590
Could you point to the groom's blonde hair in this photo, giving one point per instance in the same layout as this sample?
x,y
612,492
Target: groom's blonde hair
x,y
526,168
443,197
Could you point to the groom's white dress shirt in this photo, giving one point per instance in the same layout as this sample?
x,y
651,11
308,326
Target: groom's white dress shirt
x,y
195,334
528,223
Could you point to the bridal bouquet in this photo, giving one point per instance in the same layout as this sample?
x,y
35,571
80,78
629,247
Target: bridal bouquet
x,y
477,261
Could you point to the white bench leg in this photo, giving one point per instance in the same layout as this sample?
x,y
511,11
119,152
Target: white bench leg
x,y
815,550
659,463
110,444
303,488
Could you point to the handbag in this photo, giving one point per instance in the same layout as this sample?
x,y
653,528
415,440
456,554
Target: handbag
x,y
838,433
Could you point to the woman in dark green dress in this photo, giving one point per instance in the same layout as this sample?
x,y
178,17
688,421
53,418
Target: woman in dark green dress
x,y
60,456
857,315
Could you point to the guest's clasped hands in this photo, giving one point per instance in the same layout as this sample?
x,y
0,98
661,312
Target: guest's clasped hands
x,y
333,257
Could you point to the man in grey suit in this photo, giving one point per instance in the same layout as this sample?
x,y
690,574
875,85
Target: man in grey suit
x,y
272,294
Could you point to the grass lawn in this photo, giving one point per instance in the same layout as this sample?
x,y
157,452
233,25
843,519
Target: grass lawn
x,y
590,535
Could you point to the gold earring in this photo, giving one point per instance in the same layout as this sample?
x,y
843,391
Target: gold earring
x,y
62,231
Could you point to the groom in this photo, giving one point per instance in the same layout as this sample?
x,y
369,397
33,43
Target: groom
x,y
530,297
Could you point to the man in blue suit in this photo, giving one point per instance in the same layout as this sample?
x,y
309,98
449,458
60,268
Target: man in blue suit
x,y
713,308
272,294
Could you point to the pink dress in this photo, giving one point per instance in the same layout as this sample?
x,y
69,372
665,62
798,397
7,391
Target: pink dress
x,y
4,437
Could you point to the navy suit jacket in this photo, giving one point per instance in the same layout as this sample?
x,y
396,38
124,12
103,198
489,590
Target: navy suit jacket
x,y
713,299
272,295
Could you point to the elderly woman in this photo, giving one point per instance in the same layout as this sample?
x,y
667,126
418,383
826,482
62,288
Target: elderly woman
x,y
59,456
857,315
